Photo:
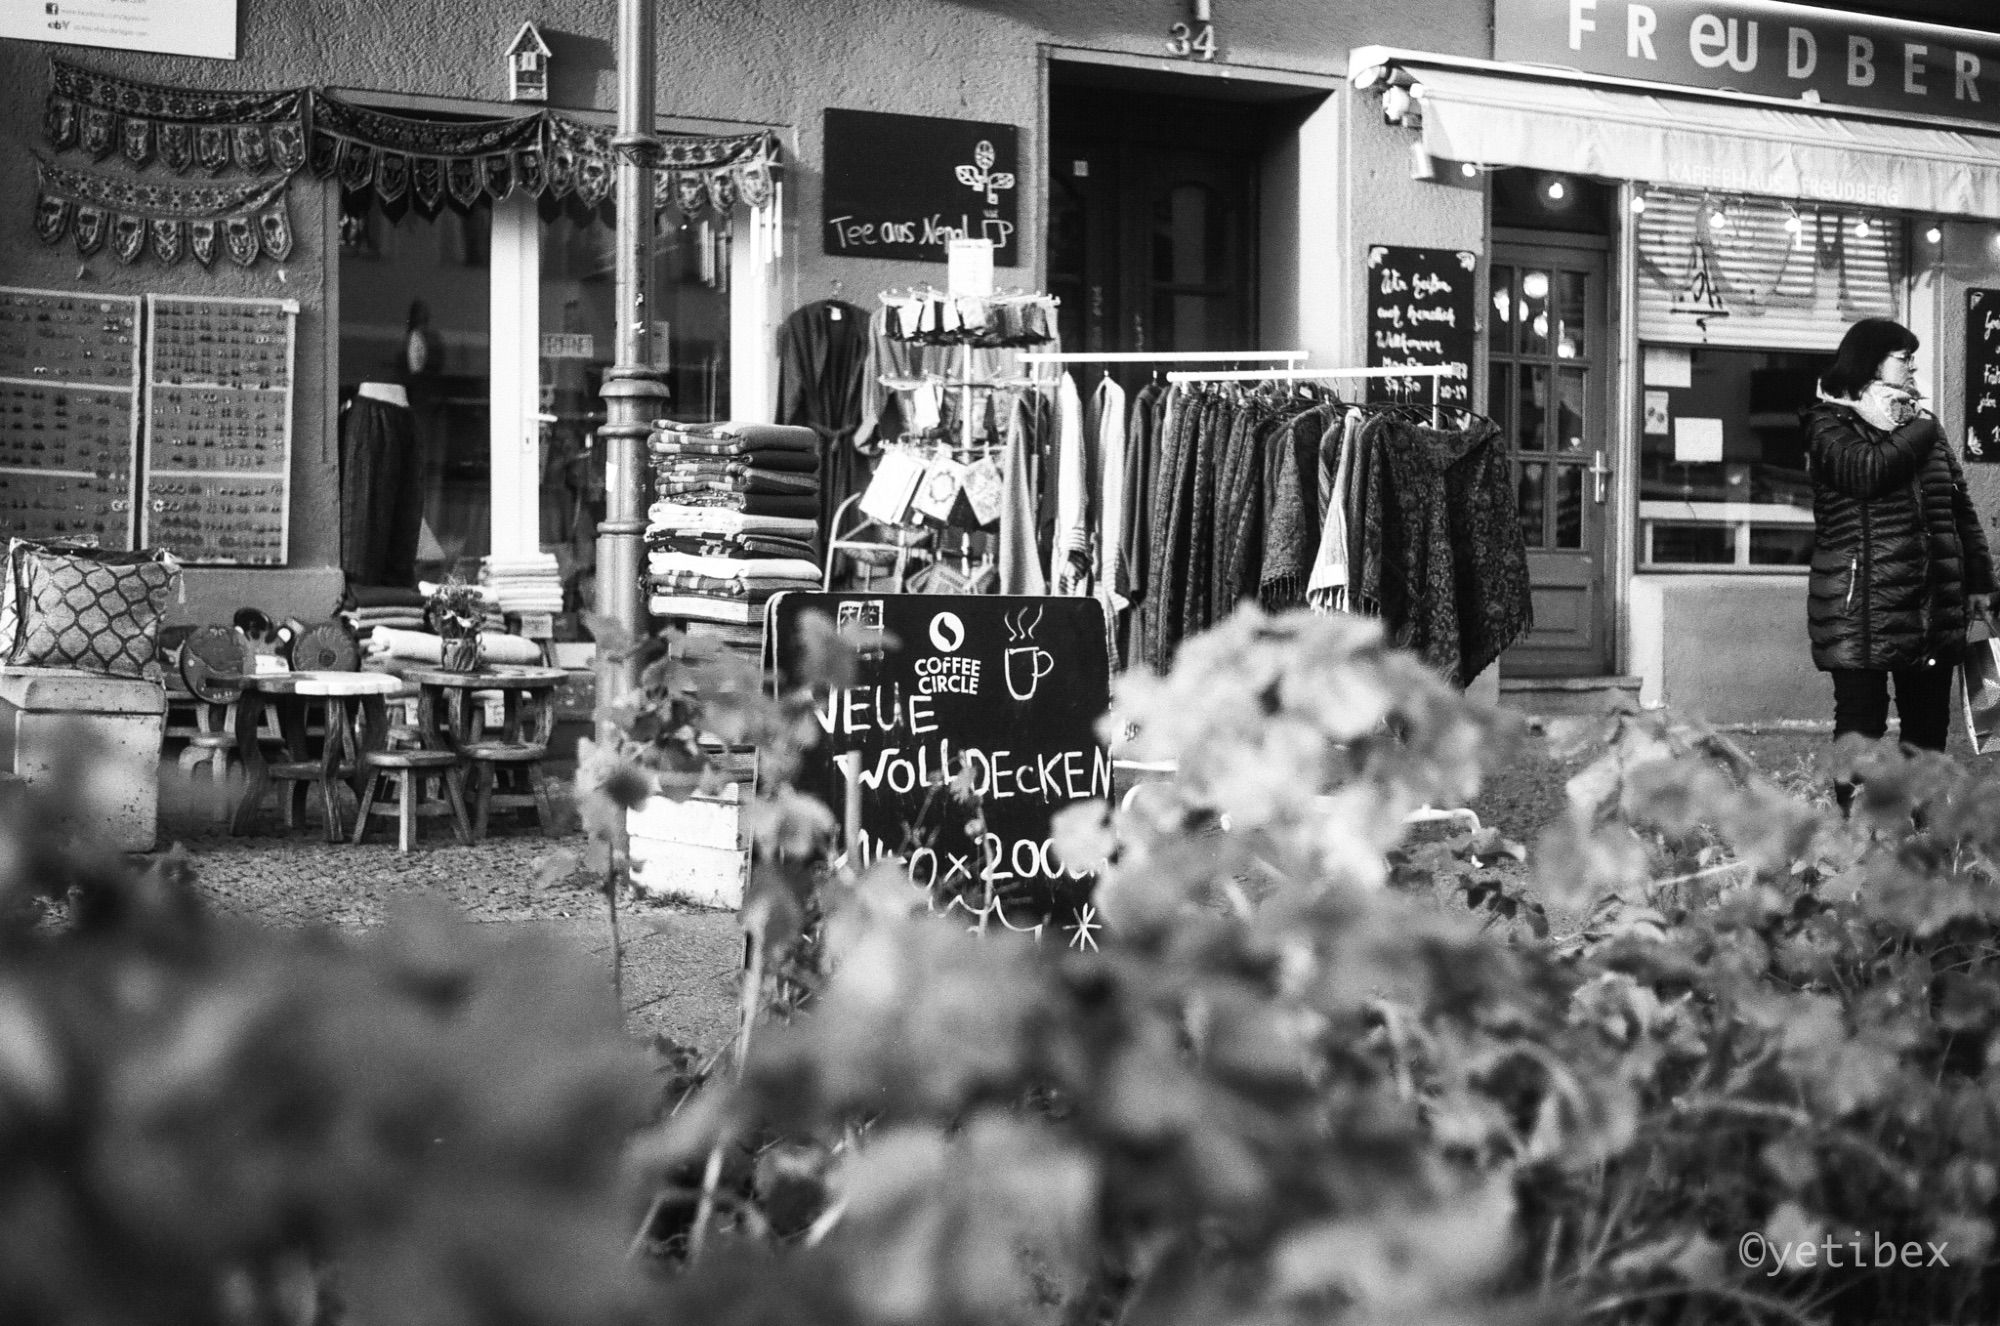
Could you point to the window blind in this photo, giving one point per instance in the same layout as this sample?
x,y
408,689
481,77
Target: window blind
x,y
1758,273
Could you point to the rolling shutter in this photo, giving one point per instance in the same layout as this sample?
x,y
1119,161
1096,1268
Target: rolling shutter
x,y
1752,282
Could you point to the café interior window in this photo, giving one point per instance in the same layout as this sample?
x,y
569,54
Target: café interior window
x,y
1722,473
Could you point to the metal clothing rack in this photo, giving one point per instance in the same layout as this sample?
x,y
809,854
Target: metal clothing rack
x,y
1163,356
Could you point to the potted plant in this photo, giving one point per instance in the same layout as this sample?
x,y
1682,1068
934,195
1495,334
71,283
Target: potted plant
x,y
456,611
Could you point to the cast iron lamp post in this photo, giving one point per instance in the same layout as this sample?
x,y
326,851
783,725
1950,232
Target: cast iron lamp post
x,y
633,388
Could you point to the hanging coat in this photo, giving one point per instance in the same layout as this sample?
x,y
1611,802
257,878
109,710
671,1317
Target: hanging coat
x,y
822,374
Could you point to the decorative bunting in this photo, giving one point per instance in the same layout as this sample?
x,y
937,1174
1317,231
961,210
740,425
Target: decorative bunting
x,y
465,162
128,238
258,130
167,237
201,241
170,219
176,146
430,163
138,142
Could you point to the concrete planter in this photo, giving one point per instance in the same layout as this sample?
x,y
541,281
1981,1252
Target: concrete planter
x,y
694,851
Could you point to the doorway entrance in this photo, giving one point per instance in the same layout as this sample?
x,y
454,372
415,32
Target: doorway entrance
x,y
1153,218
1549,359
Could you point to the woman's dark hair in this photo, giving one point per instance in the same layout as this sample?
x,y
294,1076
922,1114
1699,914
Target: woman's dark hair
x,y
1859,359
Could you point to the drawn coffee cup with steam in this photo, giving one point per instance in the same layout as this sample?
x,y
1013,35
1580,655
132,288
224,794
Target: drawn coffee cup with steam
x,y
1026,663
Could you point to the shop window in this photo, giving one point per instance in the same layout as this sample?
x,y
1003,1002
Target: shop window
x,y
555,268
1722,454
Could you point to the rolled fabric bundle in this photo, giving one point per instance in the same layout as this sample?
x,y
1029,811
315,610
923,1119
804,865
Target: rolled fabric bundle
x,y
423,647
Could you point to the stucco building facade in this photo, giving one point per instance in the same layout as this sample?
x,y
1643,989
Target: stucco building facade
x,y
1287,143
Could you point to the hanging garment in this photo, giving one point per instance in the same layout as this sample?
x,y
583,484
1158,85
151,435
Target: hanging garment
x,y
1326,590
1295,503
1172,502
1108,519
1020,563
1239,511
1199,543
1443,555
381,498
1142,437
1070,569
822,357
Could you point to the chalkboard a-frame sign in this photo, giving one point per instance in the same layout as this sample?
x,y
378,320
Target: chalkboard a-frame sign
x,y
1982,375
1421,310
1004,690
901,186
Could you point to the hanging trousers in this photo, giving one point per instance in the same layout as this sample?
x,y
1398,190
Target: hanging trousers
x,y
381,494
1861,705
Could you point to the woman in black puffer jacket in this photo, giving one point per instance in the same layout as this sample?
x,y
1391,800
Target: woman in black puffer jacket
x,y
1899,558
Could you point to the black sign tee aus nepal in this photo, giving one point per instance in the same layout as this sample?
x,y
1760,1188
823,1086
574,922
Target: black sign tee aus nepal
x,y
903,186
1001,693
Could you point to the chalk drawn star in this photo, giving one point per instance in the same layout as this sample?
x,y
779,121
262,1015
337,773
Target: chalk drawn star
x,y
1083,935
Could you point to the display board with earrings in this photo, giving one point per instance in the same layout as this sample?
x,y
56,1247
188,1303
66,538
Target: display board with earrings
x,y
219,428
69,384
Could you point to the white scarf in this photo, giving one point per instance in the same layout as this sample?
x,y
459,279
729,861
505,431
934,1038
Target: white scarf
x,y
1876,404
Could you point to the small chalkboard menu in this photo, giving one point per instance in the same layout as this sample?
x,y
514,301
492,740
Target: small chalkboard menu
x,y
1422,311
903,186
1982,375
219,429
69,418
1002,693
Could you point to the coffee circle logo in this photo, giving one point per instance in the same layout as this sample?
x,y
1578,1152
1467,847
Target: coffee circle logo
x,y
947,632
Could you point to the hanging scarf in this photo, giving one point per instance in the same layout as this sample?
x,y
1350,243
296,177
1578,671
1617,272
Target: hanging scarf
x,y
132,214
179,127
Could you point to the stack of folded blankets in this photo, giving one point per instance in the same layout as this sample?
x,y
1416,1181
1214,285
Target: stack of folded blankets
x,y
384,605
758,469
524,584
736,521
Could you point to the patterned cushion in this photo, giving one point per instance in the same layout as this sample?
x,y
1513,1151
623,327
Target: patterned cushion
x,y
12,581
78,611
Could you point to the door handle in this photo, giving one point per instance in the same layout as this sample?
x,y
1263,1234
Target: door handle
x,y
1599,472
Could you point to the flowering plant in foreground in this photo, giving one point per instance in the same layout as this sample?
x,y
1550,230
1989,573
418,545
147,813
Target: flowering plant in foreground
x,y
1317,1071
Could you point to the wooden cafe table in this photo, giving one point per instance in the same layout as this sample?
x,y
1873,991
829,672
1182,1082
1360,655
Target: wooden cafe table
x,y
356,722
513,751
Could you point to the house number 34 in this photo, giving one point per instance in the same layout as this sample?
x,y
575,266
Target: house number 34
x,y
1192,41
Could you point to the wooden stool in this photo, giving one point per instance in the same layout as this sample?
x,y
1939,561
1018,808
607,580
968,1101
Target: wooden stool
x,y
516,764
416,773
510,749
355,718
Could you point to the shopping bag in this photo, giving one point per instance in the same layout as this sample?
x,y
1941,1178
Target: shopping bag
x,y
1980,675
